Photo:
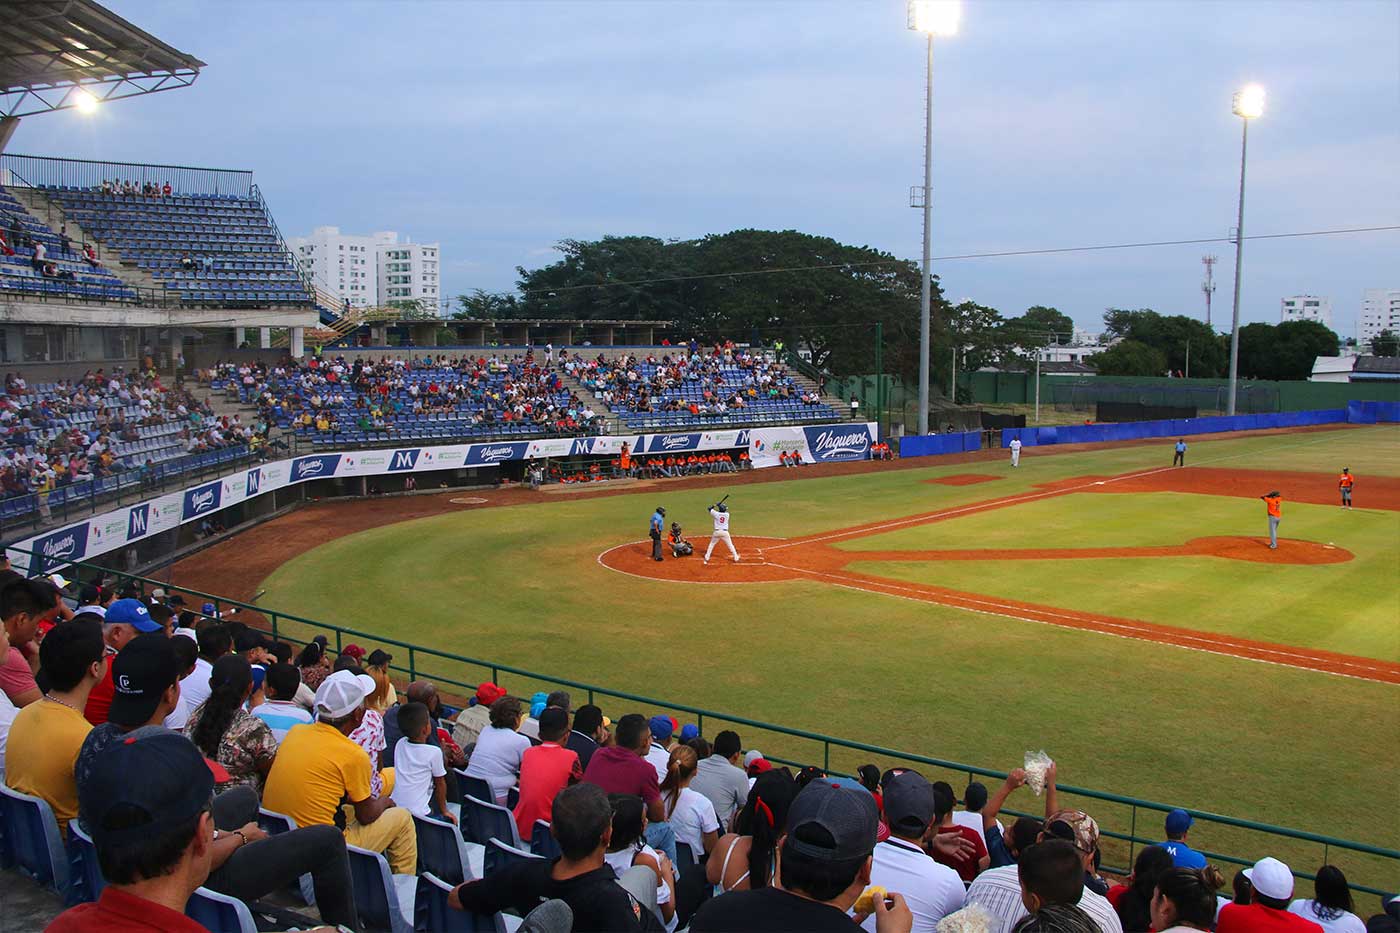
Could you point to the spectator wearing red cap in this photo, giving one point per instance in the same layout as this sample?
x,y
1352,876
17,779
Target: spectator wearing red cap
x,y
477,715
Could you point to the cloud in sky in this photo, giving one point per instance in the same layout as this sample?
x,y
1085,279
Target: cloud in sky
x,y
498,127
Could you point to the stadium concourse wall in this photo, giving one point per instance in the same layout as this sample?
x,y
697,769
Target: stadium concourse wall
x,y
253,492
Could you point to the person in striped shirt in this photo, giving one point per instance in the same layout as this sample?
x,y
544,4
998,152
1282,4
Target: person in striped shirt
x,y
280,711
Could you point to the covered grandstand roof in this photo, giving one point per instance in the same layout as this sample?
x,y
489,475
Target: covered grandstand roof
x,y
49,48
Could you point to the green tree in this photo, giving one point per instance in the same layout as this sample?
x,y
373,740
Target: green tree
x,y
1041,325
1284,351
1175,336
814,293
482,305
1386,343
1129,358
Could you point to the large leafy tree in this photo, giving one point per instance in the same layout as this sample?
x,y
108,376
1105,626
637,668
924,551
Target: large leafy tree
x,y
1174,336
814,293
1386,343
481,305
1284,351
1130,358
1041,325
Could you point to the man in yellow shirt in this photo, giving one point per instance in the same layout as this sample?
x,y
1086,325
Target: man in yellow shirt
x,y
318,767
47,735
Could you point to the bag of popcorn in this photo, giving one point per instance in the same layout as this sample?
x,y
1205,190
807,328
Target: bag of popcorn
x,y
1037,763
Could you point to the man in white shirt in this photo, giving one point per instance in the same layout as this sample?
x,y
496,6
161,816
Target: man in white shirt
x,y
974,799
900,864
7,709
659,755
214,642
94,599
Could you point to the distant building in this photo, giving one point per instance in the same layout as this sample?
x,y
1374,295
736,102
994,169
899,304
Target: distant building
x,y
1356,369
1307,308
368,271
1380,310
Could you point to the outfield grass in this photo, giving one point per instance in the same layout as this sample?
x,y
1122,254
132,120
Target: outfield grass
x,y
1349,608
522,585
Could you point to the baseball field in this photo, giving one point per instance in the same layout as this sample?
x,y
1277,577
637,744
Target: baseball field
x,y
1123,615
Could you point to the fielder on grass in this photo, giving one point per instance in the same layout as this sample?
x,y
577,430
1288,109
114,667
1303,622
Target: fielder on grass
x,y
1015,446
720,513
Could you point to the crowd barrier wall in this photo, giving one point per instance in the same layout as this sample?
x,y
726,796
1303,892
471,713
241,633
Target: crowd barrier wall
x,y
110,531
935,445
1355,413
1373,412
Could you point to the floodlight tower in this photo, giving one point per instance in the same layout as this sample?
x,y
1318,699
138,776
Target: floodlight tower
x,y
1248,104
932,18
1208,286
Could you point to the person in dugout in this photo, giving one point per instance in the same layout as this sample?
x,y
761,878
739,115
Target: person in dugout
x,y
680,547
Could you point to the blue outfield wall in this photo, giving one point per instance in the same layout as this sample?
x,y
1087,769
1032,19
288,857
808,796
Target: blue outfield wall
x,y
1354,413
934,445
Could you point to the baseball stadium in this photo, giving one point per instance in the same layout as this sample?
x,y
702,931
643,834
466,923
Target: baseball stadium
x,y
1185,598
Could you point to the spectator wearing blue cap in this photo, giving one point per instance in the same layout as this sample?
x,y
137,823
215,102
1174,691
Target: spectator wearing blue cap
x,y
663,731
1183,856
123,621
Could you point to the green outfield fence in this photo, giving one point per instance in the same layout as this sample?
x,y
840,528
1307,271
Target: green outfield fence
x,y
1125,822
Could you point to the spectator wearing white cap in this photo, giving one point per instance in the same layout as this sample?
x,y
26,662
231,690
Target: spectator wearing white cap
x,y
1183,856
318,765
1267,910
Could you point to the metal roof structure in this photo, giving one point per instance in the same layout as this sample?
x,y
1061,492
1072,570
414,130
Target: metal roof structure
x,y
49,49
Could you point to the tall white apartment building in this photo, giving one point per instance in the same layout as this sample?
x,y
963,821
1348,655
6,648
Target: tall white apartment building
x,y
1307,308
409,271
1380,310
372,270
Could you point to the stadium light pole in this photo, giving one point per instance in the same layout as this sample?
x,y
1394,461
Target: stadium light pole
x,y
932,18
1248,104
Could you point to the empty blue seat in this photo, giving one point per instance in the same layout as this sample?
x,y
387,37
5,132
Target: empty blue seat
x,y
30,840
219,913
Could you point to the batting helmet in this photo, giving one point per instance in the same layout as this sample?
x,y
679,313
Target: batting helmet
x,y
721,508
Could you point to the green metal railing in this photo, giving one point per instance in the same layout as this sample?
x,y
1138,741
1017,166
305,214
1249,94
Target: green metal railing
x,y
837,756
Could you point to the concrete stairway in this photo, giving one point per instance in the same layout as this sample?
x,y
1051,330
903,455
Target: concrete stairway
x,y
585,394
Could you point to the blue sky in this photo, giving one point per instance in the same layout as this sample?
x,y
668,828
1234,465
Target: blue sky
x,y
501,128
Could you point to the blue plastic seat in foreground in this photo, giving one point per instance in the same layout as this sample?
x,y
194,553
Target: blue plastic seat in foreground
x,y
542,841
501,855
87,880
441,850
380,901
31,840
431,912
219,913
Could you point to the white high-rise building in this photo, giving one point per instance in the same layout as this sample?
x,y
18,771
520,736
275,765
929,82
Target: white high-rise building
x,y
1380,310
1307,308
369,270
409,271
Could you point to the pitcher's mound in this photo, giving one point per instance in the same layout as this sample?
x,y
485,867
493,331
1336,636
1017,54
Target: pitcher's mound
x,y
634,558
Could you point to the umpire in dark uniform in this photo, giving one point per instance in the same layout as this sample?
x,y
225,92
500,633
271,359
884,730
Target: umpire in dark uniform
x,y
657,522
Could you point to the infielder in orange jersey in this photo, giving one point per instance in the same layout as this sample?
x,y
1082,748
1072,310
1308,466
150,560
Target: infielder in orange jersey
x,y
1274,502
1344,483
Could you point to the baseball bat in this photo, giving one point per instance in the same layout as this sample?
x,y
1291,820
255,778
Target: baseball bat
x,y
721,502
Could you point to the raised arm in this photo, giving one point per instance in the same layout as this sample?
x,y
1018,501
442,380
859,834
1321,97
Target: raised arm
x,y
1013,780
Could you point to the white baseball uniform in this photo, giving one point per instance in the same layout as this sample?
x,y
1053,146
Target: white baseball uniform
x,y
721,533
1015,451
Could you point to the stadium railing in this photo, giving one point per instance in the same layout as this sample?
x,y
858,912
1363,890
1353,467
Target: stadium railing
x,y
1126,820
22,511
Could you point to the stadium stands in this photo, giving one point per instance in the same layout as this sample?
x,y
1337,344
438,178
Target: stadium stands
x,y
203,249
63,272
77,439
337,402
721,386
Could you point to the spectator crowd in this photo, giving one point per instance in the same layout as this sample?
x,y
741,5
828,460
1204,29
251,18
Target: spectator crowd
x,y
75,430
163,732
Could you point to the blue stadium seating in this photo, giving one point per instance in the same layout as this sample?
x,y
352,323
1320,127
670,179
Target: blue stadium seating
x,y
30,840
219,913
442,851
86,873
245,261
17,273
383,900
